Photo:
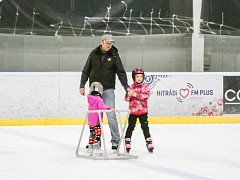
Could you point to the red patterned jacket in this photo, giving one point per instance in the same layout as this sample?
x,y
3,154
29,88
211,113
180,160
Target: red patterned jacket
x,y
138,103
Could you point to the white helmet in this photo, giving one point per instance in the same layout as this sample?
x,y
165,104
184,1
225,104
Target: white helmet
x,y
96,88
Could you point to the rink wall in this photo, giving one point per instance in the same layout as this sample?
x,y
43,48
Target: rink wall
x,y
52,98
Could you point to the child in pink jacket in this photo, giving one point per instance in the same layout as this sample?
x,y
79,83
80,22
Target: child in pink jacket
x,y
138,104
95,102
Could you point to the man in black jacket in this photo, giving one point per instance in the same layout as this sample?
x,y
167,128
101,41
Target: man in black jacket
x,y
102,65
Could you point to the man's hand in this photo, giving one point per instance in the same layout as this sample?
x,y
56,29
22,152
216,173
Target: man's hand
x,y
113,110
130,93
82,91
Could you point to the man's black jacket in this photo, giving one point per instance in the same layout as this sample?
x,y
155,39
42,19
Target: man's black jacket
x,y
103,67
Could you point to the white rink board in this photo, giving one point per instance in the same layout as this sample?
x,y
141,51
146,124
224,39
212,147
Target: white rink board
x,y
56,94
45,95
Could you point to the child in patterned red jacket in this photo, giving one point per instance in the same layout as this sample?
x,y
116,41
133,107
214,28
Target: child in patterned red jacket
x,y
138,104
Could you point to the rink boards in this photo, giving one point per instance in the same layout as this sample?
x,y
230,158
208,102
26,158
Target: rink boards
x,y
52,98
152,120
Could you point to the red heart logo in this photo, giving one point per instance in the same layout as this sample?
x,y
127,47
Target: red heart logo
x,y
184,92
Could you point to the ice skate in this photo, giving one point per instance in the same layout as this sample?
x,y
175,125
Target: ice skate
x,y
127,144
97,151
87,148
90,149
149,145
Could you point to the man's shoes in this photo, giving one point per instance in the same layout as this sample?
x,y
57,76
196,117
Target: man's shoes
x,y
114,146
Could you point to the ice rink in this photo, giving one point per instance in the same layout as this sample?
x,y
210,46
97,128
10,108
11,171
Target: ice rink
x,y
198,152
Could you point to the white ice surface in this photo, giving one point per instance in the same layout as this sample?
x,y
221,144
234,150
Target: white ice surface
x,y
198,152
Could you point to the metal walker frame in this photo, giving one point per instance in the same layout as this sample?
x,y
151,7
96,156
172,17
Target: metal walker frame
x,y
118,155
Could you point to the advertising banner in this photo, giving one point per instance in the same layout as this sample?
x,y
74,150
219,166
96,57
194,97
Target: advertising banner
x,y
185,95
231,94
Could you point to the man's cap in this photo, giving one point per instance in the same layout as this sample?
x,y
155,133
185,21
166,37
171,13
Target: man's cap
x,y
108,37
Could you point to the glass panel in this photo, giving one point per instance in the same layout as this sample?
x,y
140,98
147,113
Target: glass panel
x,y
222,53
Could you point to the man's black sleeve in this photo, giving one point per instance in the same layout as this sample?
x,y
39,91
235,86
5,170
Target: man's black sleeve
x,y
85,72
122,76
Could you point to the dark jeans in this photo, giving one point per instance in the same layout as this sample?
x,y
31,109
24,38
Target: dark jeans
x,y
132,123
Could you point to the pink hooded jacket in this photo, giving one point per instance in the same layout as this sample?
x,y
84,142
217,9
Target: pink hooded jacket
x,y
138,103
95,103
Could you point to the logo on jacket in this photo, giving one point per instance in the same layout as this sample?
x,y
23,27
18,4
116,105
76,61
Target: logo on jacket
x,y
109,59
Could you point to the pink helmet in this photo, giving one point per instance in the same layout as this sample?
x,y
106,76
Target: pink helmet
x,y
137,71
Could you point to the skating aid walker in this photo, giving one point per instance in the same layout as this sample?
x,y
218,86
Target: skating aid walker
x,y
106,155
